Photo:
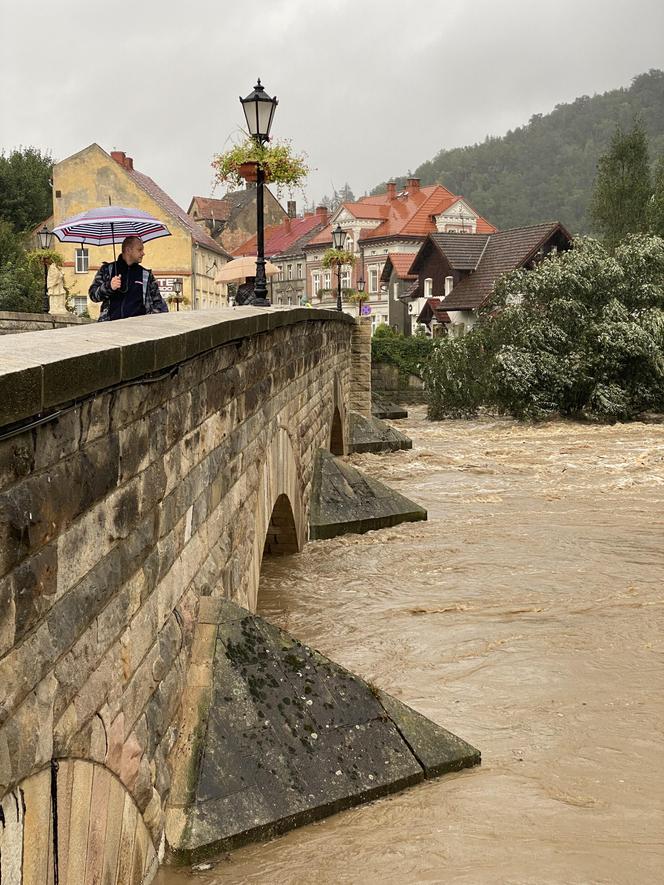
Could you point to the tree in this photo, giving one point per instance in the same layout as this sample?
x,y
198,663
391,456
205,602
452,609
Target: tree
x,y
25,189
345,195
581,334
21,287
656,204
619,204
11,245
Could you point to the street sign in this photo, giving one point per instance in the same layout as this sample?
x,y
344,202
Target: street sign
x,y
166,285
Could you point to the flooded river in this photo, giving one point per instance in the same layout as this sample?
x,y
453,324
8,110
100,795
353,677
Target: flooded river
x,y
527,616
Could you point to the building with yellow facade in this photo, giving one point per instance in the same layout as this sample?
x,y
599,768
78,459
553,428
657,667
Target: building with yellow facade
x,y
93,178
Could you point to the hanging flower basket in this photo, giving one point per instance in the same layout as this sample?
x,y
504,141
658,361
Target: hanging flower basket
x,y
280,164
338,258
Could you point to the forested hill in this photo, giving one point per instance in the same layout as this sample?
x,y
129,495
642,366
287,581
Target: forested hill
x,y
545,170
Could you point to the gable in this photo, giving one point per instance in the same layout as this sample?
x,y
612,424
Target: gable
x,y
342,216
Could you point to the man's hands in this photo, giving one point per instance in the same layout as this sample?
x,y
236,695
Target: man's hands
x,y
116,282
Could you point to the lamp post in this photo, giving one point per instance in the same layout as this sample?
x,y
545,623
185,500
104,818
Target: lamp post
x,y
338,241
360,289
177,293
259,110
45,238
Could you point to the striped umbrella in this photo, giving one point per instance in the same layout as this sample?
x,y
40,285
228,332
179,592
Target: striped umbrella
x,y
110,225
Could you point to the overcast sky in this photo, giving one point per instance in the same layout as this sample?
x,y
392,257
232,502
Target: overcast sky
x,y
367,88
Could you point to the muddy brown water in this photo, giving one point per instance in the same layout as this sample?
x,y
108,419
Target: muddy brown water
x,y
527,616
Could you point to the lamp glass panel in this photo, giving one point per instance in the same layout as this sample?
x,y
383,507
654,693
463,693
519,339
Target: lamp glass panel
x,y
338,238
265,110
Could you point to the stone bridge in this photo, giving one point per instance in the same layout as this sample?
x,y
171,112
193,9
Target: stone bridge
x,y
144,465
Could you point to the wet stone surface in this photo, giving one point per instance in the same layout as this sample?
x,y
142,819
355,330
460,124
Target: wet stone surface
x,y
344,500
291,737
383,408
374,435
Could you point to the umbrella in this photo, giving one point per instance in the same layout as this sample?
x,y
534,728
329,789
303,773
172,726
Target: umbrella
x,y
241,268
110,224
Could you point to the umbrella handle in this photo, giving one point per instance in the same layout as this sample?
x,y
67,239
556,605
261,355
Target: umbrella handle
x,y
113,236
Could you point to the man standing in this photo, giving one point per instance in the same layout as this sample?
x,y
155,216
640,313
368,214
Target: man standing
x,y
124,287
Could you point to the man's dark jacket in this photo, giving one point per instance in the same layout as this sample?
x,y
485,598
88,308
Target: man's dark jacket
x,y
138,293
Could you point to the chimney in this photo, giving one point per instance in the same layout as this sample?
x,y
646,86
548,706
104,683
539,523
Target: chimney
x,y
292,210
122,159
391,190
321,211
413,185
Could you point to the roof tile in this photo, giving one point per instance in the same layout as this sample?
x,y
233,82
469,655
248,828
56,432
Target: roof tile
x,y
400,262
506,250
409,214
169,205
280,238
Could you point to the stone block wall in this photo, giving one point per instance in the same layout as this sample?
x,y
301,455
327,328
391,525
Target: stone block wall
x,y
387,382
13,321
152,488
360,400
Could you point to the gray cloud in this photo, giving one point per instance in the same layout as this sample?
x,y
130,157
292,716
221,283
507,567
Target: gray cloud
x,y
368,89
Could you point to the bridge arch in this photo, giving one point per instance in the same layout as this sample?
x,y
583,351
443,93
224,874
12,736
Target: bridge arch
x,y
280,521
337,438
100,834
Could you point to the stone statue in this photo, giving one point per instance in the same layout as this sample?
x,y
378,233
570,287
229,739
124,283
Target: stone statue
x,y
55,283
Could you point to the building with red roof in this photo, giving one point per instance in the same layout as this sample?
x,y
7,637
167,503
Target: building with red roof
x,y
284,246
382,227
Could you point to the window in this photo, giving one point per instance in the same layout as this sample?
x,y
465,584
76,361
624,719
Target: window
x,y
349,243
428,287
289,271
327,280
82,262
373,279
280,275
449,284
80,304
315,281
345,279
299,271
395,290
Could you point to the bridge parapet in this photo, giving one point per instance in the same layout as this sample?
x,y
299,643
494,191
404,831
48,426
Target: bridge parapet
x,y
143,464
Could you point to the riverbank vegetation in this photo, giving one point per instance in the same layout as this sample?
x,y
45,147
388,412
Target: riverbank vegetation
x,y
25,202
581,335
408,353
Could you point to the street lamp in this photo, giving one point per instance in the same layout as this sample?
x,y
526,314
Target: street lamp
x,y
338,241
177,293
360,289
45,238
259,110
